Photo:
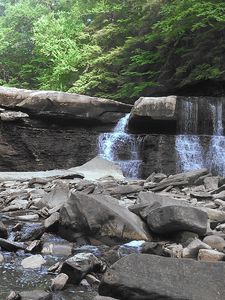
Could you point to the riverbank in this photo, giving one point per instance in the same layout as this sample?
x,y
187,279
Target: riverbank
x,y
71,237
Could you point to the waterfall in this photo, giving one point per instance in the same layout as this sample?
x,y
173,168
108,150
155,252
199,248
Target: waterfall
x,y
189,152
121,148
216,153
188,146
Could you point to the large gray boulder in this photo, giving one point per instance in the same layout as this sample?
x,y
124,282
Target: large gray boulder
x,y
156,108
174,218
154,113
147,201
60,105
100,216
145,277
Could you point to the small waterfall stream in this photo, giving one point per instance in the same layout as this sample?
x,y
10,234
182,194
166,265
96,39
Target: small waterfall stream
x,y
188,145
216,153
122,148
190,152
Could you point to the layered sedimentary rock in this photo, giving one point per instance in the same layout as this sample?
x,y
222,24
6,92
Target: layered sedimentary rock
x,y
65,106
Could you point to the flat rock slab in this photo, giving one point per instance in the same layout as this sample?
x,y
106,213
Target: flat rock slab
x,y
60,105
145,277
92,170
175,218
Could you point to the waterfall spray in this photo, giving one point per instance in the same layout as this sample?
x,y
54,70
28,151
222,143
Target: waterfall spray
x,y
113,146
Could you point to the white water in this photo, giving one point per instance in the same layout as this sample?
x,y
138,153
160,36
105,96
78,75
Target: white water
x,y
112,146
188,147
189,152
216,153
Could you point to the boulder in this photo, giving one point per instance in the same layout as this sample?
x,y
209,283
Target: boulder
x,y
210,255
79,265
60,105
168,219
144,277
100,216
34,246
35,295
3,231
153,248
147,201
214,215
52,222
211,183
215,242
31,232
59,282
57,197
191,251
33,262
154,113
13,296
11,246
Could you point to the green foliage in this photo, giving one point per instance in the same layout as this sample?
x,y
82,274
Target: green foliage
x,y
114,49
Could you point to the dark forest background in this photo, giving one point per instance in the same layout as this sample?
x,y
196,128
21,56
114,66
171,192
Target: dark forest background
x,y
114,49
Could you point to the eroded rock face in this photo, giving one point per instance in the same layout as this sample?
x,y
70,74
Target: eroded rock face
x,y
101,216
144,277
60,105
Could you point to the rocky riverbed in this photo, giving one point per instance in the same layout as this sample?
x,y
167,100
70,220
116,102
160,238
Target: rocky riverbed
x,y
88,231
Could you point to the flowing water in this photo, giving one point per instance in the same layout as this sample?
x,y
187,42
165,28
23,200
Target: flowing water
x,y
216,153
122,148
188,145
191,154
192,151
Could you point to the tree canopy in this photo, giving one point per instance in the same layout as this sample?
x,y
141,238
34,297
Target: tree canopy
x,y
114,49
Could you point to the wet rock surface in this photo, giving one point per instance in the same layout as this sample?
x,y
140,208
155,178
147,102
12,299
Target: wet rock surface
x,y
78,238
155,277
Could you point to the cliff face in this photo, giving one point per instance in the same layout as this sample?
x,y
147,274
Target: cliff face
x,y
37,146
42,146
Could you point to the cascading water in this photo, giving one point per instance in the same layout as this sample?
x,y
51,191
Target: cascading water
x,y
189,152
216,153
188,146
121,148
